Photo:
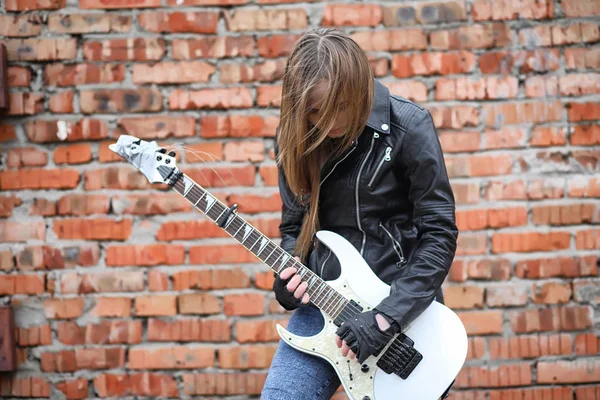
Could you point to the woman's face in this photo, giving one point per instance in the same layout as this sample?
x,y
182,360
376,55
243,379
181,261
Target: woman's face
x,y
315,105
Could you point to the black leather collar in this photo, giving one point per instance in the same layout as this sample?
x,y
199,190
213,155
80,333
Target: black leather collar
x,y
379,119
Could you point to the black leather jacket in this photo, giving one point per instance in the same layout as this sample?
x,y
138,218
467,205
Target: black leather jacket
x,y
389,195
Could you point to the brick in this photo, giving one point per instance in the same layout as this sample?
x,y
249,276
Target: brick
x,y
83,204
179,22
18,77
515,374
537,60
82,74
113,307
530,346
587,344
454,117
269,175
144,204
158,281
100,358
22,284
486,10
26,157
244,304
82,23
205,152
564,214
253,151
222,177
563,371
60,361
93,229
428,13
116,4
224,383
145,255
61,103
250,203
198,303
268,96
163,305
138,384
267,71
112,281
25,103
73,389
587,392
120,100
391,40
173,72
158,127
530,241
210,279
433,63
258,331
181,99
551,293
27,5
352,15
584,32
246,357
189,330
476,219
481,322
470,89
116,178
84,129
543,136
481,269
504,295
38,335
555,267
583,187
379,66
173,357
20,25
41,49
7,261
213,126
12,231
25,386
585,135
213,47
463,297
545,189
73,154
65,308
209,2
412,90
551,319
43,207
220,254
587,239
130,49
265,19
497,115
7,133
580,8
582,59
475,36
276,45
577,84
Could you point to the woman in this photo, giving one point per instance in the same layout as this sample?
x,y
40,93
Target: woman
x,y
368,165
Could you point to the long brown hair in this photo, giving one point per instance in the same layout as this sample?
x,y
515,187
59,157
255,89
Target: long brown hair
x,y
323,54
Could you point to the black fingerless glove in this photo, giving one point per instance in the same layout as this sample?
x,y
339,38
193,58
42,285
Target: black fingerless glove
x,y
284,296
363,336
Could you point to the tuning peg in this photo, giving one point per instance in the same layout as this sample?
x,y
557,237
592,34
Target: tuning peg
x,y
162,150
172,153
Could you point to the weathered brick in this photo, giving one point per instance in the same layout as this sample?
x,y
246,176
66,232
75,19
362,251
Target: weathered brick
x,y
172,357
352,15
194,22
131,49
213,47
223,383
41,49
120,100
265,19
88,23
27,5
137,384
20,25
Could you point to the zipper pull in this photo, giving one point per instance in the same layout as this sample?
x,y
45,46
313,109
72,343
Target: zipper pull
x,y
388,154
375,135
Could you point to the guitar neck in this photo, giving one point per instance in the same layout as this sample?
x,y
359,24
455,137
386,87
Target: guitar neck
x,y
321,294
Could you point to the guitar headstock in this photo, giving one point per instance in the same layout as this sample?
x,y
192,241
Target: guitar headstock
x,y
150,159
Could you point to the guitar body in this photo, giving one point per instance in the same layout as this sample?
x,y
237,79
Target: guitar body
x,y
438,334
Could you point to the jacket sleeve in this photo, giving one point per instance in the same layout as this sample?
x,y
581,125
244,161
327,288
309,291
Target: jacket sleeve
x,y
292,213
434,217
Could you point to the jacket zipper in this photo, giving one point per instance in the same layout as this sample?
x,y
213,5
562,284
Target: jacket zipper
x,y
396,245
386,157
364,237
336,164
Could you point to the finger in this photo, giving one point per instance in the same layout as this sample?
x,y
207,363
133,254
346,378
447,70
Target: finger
x,y
351,355
305,299
338,341
345,349
300,290
286,273
293,283
297,258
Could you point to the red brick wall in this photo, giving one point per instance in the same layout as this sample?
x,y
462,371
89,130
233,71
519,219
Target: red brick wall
x,y
121,289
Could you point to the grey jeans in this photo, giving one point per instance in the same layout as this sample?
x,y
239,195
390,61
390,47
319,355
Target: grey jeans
x,y
294,375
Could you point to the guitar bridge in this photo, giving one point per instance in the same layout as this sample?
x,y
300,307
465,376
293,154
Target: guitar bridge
x,y
400,358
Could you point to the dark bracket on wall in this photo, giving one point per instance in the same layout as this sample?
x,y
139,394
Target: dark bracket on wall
x,y
3,78
8,359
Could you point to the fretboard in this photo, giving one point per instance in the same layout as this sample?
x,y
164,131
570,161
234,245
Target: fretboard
x,y
320,293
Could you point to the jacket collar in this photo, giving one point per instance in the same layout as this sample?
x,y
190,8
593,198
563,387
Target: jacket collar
x,y
379,119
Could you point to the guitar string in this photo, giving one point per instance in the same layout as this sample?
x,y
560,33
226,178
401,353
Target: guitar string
x,y
337,299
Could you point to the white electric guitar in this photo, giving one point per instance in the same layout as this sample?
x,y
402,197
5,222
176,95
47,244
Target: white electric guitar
x,y
418,364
